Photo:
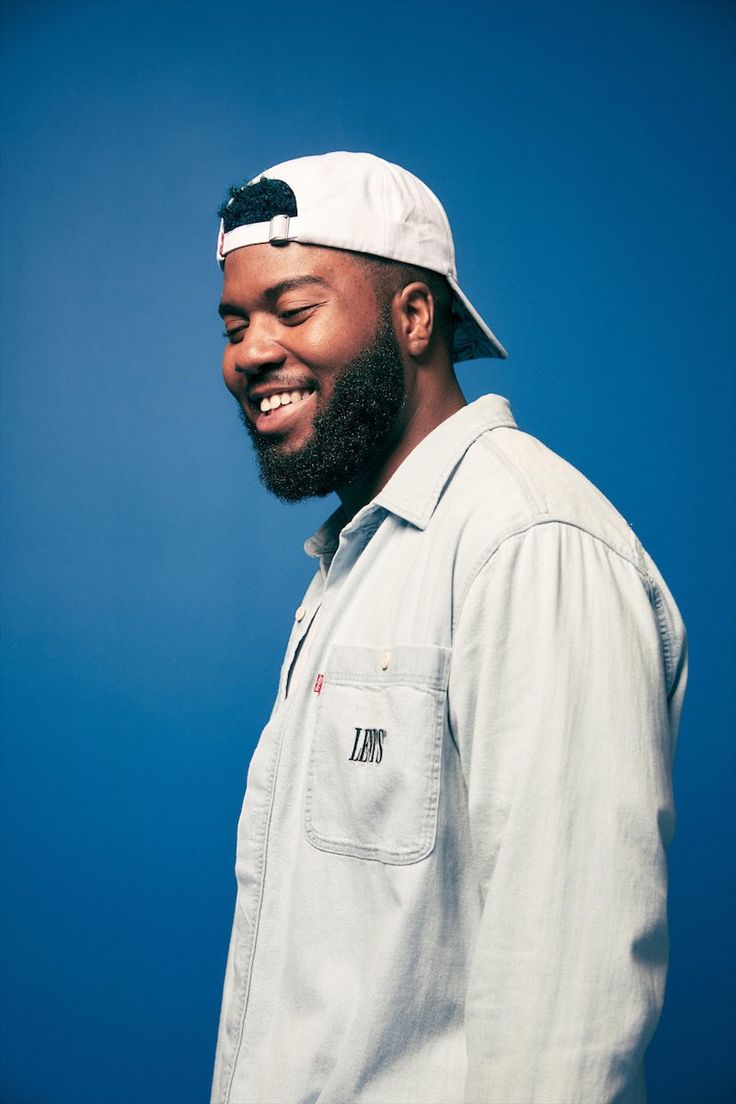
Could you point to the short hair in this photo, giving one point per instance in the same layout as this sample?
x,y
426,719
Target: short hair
x,y
389,277
256,202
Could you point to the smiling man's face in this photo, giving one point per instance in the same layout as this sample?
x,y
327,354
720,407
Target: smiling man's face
x,y
314,364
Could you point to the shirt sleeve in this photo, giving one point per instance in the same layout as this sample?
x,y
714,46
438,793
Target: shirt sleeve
x,y
565,719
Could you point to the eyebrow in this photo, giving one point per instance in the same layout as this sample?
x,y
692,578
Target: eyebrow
x,y
274,291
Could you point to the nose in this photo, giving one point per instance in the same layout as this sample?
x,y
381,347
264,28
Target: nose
x,y
259,350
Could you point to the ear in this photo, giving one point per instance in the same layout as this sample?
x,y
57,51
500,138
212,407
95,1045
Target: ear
x,y
413,317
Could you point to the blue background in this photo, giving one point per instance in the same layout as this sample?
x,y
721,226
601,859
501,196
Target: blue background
x,y
585,154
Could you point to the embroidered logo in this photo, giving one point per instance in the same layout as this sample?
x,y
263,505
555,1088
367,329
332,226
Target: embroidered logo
x,y
368,745
318,684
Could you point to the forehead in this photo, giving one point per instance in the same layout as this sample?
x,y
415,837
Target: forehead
x,y
254,270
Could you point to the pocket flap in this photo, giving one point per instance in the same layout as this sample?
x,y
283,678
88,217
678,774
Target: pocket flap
x,y
423,665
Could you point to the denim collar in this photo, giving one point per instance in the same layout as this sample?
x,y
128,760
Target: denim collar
x,y
413,491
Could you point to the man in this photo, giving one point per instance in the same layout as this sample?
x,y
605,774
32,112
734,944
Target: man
x,y
451,856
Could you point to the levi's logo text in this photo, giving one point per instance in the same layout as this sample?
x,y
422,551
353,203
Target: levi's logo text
x,y
368,745
318,684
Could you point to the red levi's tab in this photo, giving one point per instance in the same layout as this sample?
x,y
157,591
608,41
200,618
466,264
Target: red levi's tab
x,y
318,684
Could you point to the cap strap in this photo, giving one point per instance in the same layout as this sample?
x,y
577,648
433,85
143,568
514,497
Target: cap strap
x,y
280,229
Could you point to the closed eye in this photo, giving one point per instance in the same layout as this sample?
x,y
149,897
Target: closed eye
x,y
297,314
232,334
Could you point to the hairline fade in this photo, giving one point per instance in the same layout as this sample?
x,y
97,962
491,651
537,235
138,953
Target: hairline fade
x,y
389,277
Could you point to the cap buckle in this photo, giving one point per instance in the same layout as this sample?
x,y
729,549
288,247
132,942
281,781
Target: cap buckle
x,y
278,231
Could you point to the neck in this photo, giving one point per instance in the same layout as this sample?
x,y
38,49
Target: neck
x,y
417,420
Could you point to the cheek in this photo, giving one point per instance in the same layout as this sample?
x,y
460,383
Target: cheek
x,y
335,335
335,342
229,374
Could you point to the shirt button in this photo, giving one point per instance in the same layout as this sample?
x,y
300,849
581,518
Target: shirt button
x,y
299,615
385,660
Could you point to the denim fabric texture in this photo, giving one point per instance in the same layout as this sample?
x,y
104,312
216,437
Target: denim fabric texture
x,y
451,873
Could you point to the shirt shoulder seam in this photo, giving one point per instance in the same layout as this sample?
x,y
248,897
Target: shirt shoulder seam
x,y
535,500
491,549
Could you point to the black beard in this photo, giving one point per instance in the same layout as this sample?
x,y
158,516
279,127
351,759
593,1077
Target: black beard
x,y
349,436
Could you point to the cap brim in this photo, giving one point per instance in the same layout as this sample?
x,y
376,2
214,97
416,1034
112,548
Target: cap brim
x,y
473,338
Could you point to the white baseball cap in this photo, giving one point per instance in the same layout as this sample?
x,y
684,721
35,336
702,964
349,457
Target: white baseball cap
x,y
359,202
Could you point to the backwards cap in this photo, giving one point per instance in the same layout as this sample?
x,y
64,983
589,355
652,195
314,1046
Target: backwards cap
x,y
359,202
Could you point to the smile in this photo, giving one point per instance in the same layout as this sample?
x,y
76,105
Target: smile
x,y
282,410
283,398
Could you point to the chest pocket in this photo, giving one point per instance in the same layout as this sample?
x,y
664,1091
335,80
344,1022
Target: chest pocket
x,y
374,771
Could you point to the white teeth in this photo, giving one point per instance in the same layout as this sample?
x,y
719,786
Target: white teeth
x,y
285,398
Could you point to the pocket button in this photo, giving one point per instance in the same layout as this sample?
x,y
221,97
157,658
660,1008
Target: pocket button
x,y
384,661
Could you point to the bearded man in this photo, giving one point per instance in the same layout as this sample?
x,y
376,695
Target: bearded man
x,y
451,875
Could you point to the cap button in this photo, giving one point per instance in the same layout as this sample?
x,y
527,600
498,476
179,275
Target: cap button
x,y
299,615
384,661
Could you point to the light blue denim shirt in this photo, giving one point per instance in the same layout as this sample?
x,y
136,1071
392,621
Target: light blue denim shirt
x,y
451,875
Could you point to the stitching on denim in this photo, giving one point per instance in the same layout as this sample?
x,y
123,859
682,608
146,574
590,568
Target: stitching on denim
x,y
519,531
477,430
428,824
285,681
345,674
536,503
666,631
228,1074
401,678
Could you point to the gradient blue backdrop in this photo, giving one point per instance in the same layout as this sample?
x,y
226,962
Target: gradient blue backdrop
x,y
585,153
